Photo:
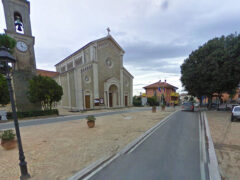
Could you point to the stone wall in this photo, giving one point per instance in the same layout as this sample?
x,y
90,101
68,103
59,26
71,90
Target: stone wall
x,y
20,86
107,50
64,84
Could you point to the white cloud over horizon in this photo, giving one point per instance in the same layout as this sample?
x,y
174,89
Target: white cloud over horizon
x,y
157,35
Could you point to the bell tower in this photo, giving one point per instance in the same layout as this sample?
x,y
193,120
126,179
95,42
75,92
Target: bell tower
x,y
17,16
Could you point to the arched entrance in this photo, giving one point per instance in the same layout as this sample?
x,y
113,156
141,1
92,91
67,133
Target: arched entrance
x,y
113,96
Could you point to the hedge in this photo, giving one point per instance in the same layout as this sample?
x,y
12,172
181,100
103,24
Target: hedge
x,y
33,113
137,101
152,101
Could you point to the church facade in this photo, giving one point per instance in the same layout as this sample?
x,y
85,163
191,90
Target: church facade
x,y
94,77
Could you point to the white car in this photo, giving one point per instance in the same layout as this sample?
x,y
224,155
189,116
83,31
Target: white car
x,y
235,113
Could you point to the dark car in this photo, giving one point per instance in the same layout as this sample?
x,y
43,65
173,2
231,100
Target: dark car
x,y
235,113
188,106
214,105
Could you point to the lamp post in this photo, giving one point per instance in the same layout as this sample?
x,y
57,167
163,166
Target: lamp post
x,y
5,59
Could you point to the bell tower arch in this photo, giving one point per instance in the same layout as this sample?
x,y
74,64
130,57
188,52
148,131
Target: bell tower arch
x,y
17,16
17,11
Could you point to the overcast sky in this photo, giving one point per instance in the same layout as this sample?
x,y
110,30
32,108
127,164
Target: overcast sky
x,y
157,35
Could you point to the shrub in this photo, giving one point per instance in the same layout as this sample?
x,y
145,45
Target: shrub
x,y
152,101
33,113
137,101
8,135
90,118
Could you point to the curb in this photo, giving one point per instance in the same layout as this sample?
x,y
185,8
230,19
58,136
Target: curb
x,y
212,163
93,168
65,116
24,123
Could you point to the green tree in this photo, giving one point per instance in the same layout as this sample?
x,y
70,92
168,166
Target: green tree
x,y
152,101
9,43
4,94
137,101
44,90
213,67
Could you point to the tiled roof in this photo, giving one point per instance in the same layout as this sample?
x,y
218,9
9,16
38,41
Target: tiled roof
x,y
47,73
161,84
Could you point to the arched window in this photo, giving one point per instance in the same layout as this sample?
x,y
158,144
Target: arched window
x,y
18,22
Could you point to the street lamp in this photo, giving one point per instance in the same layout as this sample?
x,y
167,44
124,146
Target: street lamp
x,y
5,59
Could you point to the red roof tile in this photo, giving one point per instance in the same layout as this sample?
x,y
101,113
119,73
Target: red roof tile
x,y
47,73
161,84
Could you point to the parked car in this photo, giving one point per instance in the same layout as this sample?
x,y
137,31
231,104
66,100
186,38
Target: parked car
x,y
188,106
214,105
235,113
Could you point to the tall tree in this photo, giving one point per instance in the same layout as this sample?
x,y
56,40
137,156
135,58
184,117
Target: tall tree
x,y
213,67
44,90
9,43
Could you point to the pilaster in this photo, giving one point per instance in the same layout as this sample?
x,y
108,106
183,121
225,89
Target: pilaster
x,y
95,81
121,88
69,92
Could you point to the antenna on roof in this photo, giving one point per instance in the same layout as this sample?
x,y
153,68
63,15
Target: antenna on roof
x,y
108,30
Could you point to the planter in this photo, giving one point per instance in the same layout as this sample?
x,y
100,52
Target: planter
x,y
163,108
91,124
154,109
9,144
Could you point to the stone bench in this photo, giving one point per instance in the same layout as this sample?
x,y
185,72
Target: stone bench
x,y
3,115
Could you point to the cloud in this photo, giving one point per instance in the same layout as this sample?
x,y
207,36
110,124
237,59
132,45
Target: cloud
x,y
157,35
165,5
47,57
141,51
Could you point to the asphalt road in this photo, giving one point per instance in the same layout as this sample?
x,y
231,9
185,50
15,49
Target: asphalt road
x,y
171,153
10,125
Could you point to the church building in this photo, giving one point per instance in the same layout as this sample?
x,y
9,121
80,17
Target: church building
x,y
93,77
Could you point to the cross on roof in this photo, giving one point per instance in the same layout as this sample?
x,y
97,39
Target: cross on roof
x,y
108,30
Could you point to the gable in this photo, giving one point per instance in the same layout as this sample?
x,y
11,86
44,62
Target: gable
x,y
109,42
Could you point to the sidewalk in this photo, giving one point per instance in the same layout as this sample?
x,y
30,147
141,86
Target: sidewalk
x,y
226,138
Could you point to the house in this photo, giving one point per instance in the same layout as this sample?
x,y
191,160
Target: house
x,y
159,88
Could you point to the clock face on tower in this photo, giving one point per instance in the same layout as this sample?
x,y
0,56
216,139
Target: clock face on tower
x,y
22,46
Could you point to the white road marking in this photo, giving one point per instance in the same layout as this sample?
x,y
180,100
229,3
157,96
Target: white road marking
x,y
147,136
